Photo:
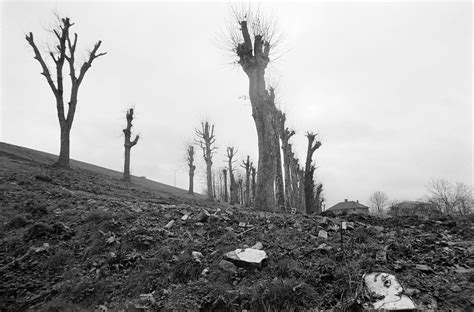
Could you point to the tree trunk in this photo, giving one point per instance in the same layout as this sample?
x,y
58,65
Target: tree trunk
x,y
226,195
209,180
191,179
126,166
279,188
63,160
254,173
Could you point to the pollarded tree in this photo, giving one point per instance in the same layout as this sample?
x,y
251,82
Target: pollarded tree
x,y
233,186
309,184
128,145
65,49
247,166
206,140
253,57
192,168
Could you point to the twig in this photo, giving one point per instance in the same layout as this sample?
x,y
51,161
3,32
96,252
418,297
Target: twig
x,y
245,231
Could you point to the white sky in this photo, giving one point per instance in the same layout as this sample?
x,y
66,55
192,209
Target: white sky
x,y
387,85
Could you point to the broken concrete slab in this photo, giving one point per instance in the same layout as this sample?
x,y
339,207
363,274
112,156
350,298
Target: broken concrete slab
x,y
247,256
387,292
323,234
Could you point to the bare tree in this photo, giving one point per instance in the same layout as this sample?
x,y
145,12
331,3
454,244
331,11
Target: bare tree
x,y
64,51
233,186
378,201
285,135
246,165
128,145
192,168
450,198
309,184
253,57
253,172
206,140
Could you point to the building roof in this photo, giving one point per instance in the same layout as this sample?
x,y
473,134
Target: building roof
x,y
345,205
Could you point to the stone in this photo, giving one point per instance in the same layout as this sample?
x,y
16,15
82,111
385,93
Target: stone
x,y
388,291
185,217
169,224
381,256
258,246
424,268
456,288
344,225
242,224
202,217
228,266
323,234
247,256
197,256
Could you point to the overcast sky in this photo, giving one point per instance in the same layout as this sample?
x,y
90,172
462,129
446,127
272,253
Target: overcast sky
x,y
388,86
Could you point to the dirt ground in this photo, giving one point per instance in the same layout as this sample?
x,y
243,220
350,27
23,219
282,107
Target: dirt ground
x,y
82,240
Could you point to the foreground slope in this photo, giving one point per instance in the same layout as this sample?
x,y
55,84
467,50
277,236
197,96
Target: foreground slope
x,y
80,239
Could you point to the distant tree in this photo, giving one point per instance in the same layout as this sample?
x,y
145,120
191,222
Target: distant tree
x,y
128,145
285,135
246,165
206,140
64,51
318,198
253,172
309,184
192,168
231,151
450,198
226,195
379,201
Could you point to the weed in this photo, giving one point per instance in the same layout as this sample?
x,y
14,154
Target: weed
x,y
186,269
17,222
282,295
38,230
97,216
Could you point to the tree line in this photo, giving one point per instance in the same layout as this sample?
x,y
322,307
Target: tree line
x,y
277,183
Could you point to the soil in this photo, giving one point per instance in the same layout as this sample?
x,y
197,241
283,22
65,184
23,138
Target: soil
x,y
80,239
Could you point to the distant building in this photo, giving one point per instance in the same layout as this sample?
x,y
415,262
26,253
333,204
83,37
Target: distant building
x,y
349,206
414,208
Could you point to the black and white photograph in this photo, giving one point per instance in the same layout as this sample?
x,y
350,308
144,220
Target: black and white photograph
x,y
236,156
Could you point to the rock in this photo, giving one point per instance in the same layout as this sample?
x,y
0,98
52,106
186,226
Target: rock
x,y
412,291
378,228
381,256
247,256
202,217
333,228
166,206
147,298
205,272
242,224
324,246
344,225
214,218
228,266
197,256
388,293
185,217
258,246
456,288
324,221
169,225
424,268
323,234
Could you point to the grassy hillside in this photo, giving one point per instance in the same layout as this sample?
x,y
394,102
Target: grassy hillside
x,y
80,239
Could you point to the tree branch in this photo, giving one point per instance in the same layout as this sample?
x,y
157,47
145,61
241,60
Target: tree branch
x,y
39,58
